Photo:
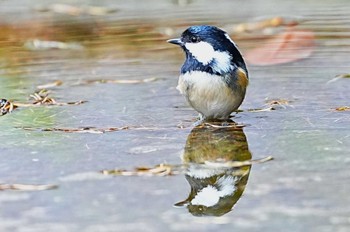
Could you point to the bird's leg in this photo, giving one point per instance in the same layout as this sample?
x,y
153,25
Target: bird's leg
x,y
200,120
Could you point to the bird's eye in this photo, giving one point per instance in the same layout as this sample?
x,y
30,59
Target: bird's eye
x,y
194,39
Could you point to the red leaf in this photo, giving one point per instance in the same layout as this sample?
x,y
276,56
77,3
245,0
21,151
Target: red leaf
x,y
286,47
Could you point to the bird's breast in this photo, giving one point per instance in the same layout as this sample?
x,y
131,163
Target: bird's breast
x,y
209,94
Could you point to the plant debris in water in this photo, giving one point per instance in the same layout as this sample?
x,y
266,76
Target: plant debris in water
x,y
6,107
342,108
75,10
338,77
274,104
168,170
50,85
158,170
91,130
266,23
47,45
26,187
104,81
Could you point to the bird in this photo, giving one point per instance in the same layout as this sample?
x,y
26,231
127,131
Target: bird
x,y
214,76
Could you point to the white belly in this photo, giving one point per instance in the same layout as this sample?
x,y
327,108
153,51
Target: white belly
x,y
209,94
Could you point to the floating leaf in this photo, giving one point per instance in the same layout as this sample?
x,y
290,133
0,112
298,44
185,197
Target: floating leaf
x,y
286,47
26,187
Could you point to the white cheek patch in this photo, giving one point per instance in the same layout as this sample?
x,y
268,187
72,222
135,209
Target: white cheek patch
x,y
202,51
205,54
222,62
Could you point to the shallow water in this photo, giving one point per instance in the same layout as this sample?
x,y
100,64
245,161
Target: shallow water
x,y
303,189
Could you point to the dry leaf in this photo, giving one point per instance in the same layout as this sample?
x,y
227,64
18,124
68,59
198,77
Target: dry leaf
x,y
286,47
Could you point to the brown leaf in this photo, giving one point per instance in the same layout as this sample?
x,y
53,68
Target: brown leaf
x,y
286,47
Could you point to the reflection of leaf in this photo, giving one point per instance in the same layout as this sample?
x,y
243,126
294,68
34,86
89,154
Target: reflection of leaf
x,y
286,47
26,187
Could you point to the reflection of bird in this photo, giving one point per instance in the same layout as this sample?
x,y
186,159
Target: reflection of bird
x,y
215,190
214,76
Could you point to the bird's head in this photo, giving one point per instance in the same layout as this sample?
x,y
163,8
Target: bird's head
x,y
209,49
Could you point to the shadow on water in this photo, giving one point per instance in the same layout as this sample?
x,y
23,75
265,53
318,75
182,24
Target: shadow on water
x,y
215,190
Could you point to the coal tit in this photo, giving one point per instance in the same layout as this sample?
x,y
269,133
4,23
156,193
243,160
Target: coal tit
x,y
214,76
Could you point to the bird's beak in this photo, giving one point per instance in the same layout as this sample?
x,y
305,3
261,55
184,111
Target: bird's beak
x,y
175,41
